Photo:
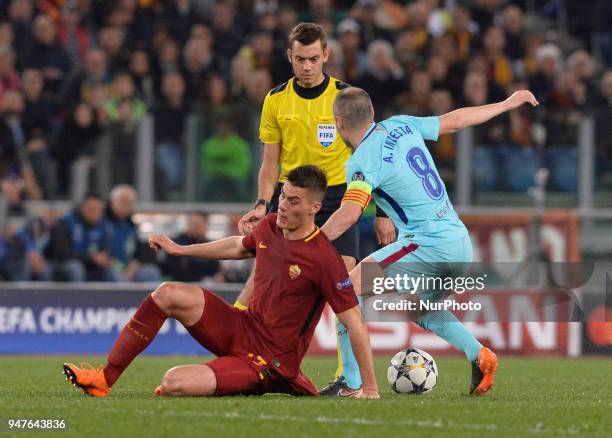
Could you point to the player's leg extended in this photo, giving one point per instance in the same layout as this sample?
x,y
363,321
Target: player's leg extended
x,y
444,323
181,301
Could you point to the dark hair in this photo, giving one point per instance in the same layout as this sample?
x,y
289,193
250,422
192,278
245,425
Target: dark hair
x,y
354,105
200,213
91,195
309,177
307,34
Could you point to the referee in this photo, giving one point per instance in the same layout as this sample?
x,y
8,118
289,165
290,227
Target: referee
x,y
297,128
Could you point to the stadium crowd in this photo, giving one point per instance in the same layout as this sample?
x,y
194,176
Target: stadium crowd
x,y
77,77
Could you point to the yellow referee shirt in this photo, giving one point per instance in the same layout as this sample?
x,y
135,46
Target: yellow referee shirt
x,y
302,121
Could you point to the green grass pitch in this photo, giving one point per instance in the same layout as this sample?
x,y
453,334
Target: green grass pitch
x,y
544,397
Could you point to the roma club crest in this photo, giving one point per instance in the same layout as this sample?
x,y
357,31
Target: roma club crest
x,y
294,271
326,134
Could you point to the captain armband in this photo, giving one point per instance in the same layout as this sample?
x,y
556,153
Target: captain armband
x,y
358,192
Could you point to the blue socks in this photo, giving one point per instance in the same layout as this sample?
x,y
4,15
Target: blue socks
x,y
349,368
444,324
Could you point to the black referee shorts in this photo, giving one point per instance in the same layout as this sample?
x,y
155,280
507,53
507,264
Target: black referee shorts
x,y
348,243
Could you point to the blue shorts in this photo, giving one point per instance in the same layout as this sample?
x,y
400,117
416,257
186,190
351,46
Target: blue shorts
x,y
406,257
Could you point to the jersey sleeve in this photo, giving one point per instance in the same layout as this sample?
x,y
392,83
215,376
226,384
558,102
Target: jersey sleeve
x,y
269,129
335,283
429,127
359,185
250,242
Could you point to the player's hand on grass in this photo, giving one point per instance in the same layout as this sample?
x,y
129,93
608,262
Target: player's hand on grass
x,y
159,241
371,394
385,230
520,97
248,222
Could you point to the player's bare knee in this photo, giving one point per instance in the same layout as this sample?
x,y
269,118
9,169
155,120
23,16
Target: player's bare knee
x,y
165,296
172,383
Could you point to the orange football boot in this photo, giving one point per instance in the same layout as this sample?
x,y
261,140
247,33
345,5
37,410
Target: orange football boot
x,y
89,379
483,372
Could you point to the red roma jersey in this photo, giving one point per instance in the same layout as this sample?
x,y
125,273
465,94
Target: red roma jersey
x,y
293,281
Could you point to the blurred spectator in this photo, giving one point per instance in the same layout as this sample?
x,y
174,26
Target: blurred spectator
x,y
112,41
13,254
191,269
72,34
140,69
514,30
80,244
464,32
333,66
124,111
47,55
262,54
37,112
7,38
197,65
563,110
548,63
12,189
321,10
582,65
170,116
287,18
9,77
228,35
95,73
365,14
75,139
354,60
383,78
499,66
180,16
437,68
603,127
241,70
226,165
483,12
258,86
416,101
604,27
418,13
20,16
122,90
475,93
25,148
168,57
132,257
35,236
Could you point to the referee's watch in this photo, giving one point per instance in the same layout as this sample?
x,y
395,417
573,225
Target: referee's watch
x,y
262,201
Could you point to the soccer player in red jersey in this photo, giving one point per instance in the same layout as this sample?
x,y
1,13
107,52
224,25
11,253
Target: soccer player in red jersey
x,y
258,350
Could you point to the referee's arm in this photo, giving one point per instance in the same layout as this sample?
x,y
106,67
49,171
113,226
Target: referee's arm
x,y
268,172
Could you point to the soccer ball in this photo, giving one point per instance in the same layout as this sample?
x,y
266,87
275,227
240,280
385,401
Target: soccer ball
x,y
412,371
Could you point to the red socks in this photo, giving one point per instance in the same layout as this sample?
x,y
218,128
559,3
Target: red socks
x,y
137,334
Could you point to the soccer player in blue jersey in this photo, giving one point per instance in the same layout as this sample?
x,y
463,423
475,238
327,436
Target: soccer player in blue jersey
x,y
391,164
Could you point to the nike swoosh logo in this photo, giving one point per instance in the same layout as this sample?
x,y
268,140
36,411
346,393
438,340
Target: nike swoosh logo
x,y
262,245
